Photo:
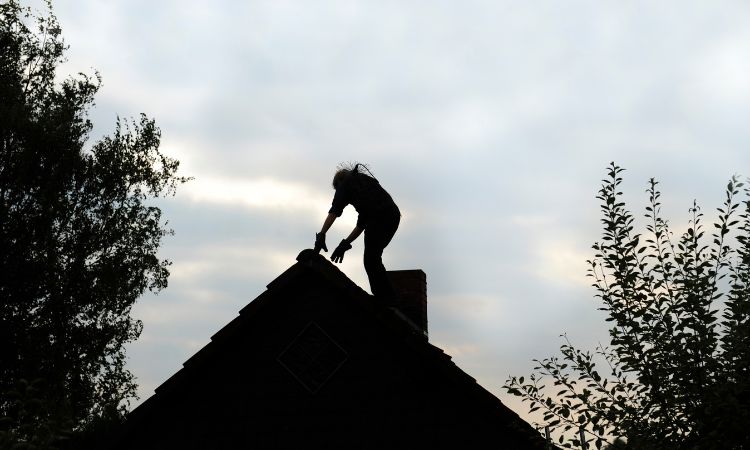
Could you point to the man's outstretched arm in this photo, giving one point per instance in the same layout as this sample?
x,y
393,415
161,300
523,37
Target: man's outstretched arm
x,y
354,234
328,222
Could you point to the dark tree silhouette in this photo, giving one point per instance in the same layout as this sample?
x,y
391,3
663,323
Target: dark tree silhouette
x,y
677,372
78,237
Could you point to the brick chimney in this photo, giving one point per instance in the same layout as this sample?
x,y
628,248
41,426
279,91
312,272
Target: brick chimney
x,y
411,296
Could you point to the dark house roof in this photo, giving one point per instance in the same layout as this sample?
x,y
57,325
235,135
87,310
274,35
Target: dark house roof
x,y
316,362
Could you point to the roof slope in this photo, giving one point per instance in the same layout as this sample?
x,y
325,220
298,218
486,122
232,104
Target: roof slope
x,y
390,379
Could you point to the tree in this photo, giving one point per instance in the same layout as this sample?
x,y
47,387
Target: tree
x,y
676,374
78,235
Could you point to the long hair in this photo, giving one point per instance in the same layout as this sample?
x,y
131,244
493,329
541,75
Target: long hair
x,y
344,170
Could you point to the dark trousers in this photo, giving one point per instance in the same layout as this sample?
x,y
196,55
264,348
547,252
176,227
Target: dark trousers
x,y
378,233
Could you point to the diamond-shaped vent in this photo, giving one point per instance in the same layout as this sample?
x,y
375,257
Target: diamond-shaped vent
x,y
313,357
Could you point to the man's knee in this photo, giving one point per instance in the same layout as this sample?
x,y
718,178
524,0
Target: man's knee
x,y
372,260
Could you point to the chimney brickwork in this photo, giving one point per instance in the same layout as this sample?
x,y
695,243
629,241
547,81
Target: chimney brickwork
x,y
411,295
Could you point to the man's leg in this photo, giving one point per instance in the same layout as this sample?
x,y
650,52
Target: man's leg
x,y
377,237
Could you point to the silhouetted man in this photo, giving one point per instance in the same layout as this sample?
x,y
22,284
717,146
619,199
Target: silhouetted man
x,y
378,218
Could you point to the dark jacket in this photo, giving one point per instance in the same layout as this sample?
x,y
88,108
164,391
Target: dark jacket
x,y
366,195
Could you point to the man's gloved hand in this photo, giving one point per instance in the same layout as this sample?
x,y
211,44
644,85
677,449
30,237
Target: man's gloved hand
x,y
338,255
320,242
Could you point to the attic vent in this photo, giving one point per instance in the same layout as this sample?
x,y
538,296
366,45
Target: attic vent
x,y
313,357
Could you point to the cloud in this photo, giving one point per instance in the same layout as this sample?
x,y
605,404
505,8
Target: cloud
x,y
264,193
561,262
212,264
720,71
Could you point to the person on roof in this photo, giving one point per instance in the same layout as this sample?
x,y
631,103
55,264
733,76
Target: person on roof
x,y
379,218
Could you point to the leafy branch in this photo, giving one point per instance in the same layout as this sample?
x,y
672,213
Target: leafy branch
x,y
677,376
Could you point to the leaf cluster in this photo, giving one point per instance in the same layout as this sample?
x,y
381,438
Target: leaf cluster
x,y
676,371
29,424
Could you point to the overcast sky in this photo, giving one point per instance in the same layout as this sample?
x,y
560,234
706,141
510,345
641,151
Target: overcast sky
x,y
491,123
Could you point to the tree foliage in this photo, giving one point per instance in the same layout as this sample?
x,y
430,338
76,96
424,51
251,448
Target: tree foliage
x,y
78,236
676,374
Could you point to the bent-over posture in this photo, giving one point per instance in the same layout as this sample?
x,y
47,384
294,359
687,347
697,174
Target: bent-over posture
x,y
378,218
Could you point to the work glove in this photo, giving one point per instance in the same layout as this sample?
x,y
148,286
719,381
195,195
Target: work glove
x,y
338,255
320,242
